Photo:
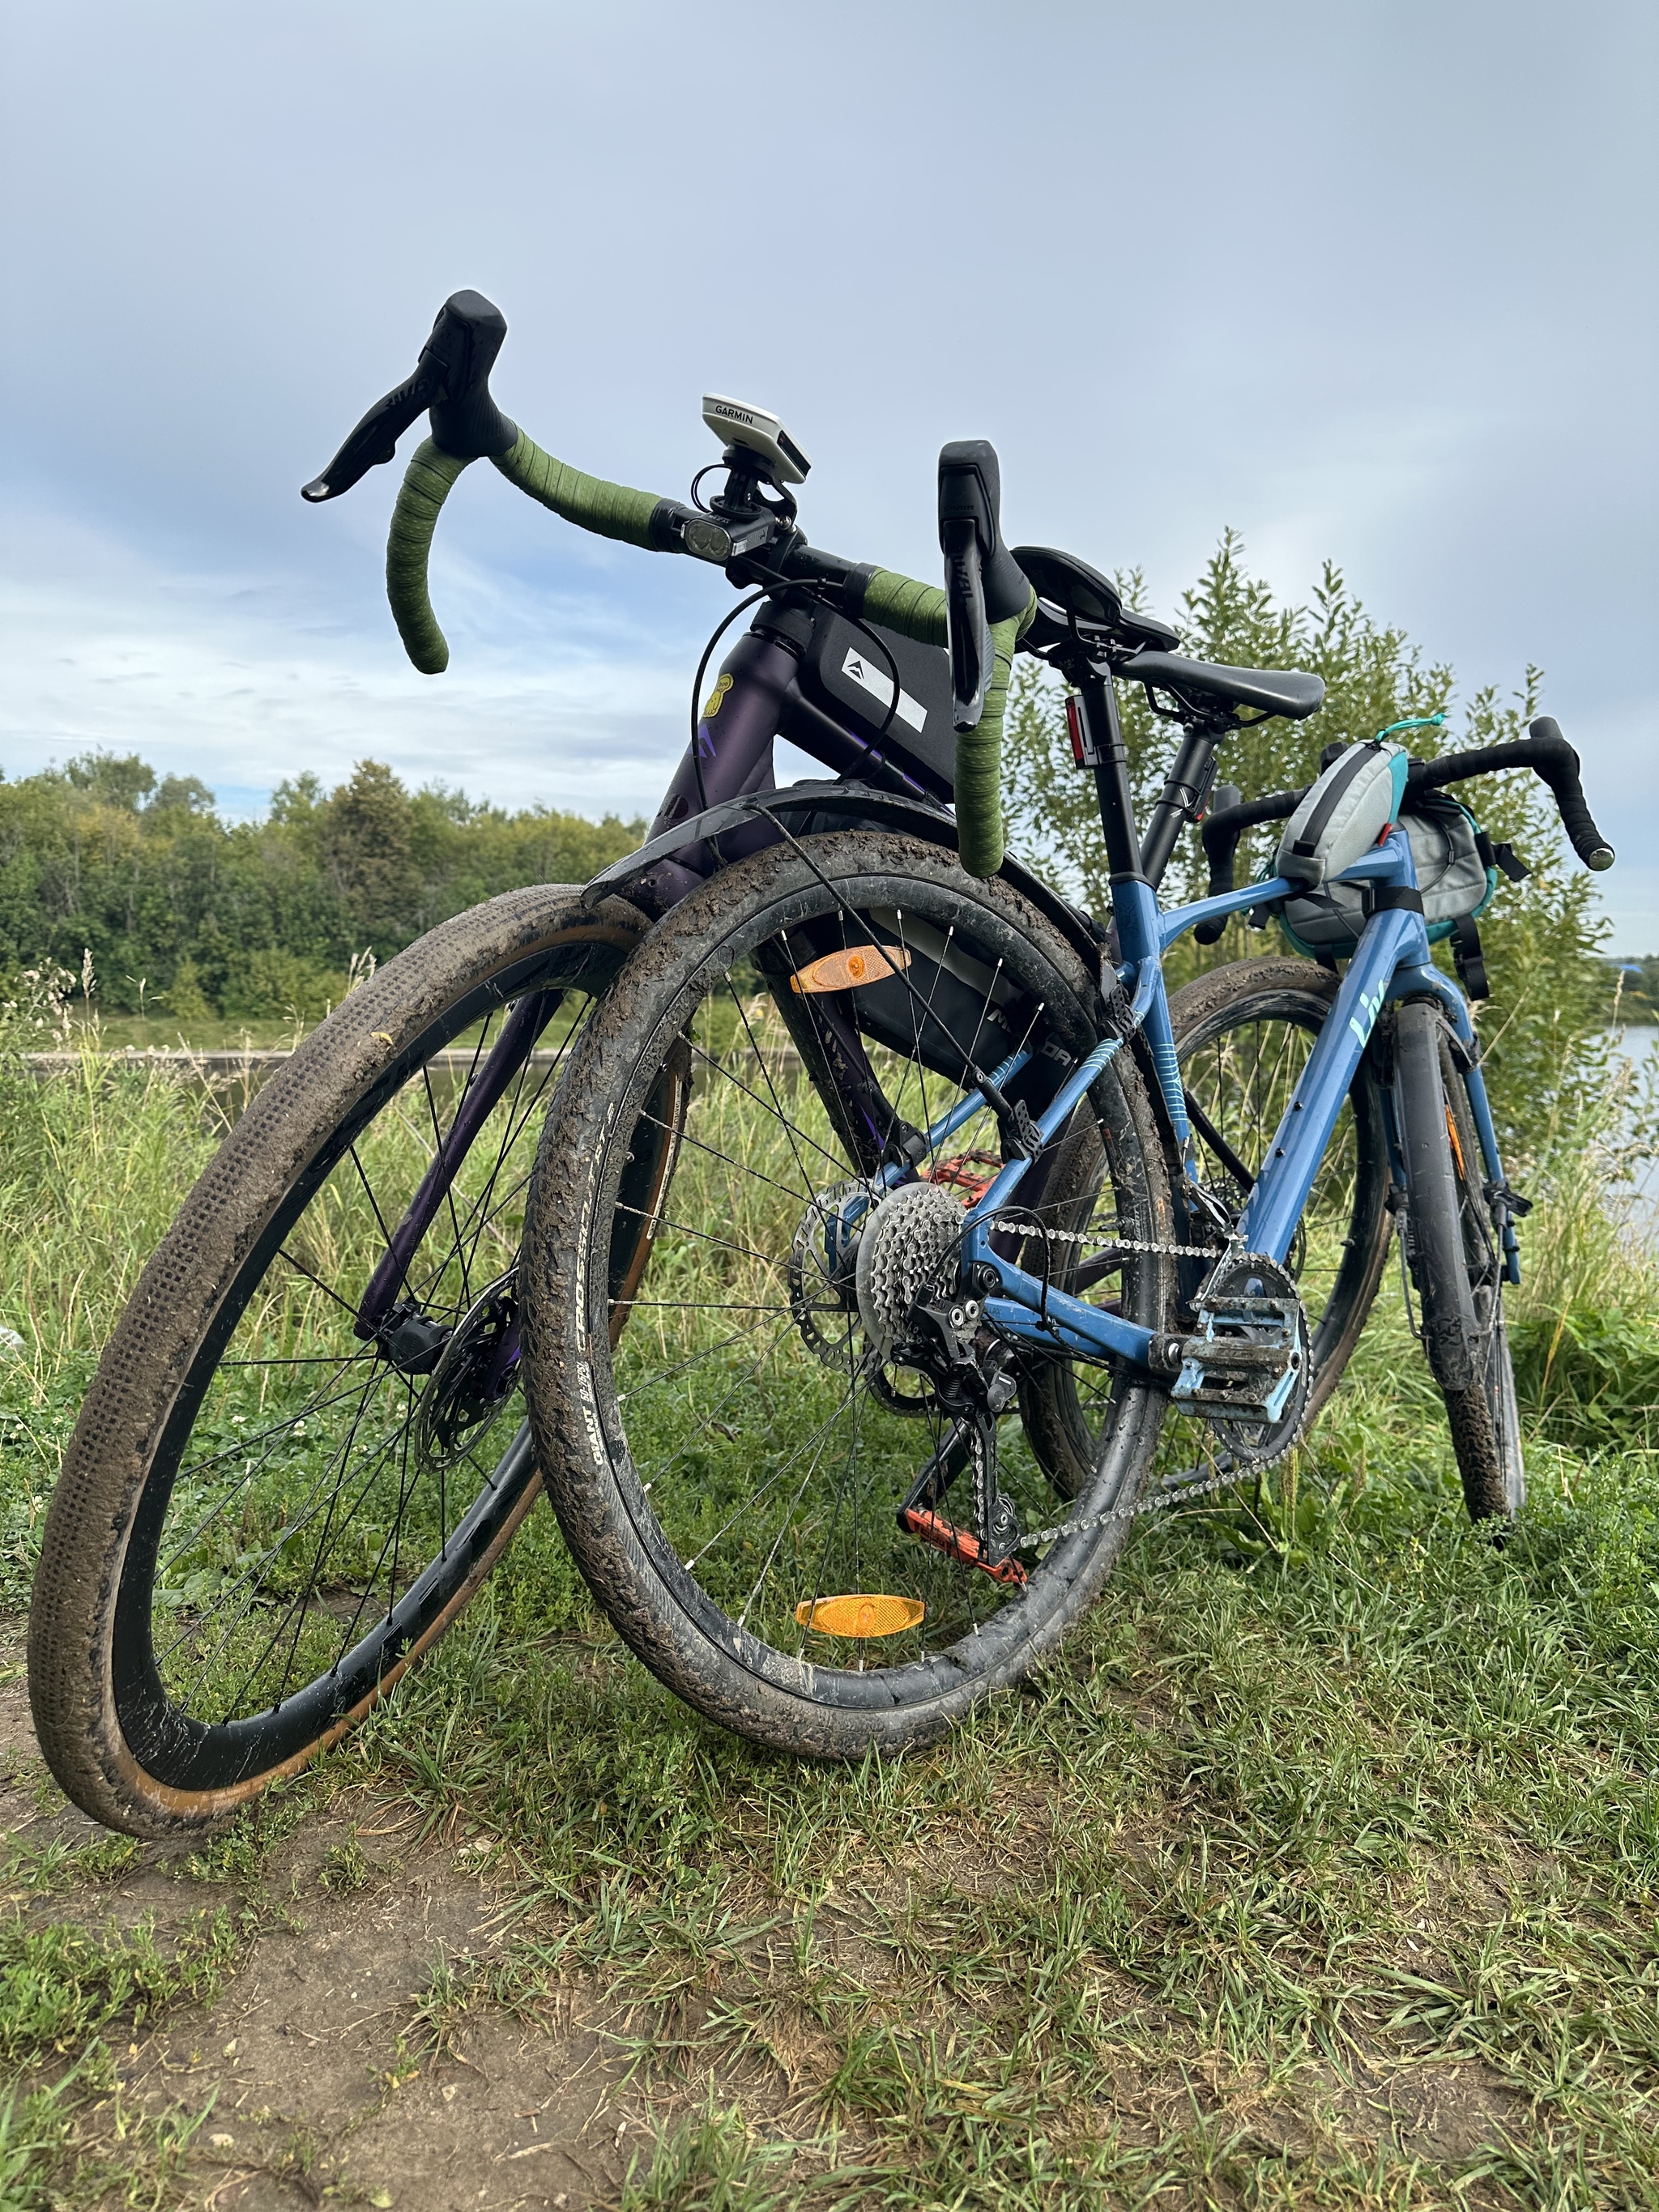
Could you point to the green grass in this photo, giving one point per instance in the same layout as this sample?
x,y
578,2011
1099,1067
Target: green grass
x,y
1322,1871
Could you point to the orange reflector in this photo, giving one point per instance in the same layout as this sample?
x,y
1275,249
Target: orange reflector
x,y
860,1616
1458,1149
844,971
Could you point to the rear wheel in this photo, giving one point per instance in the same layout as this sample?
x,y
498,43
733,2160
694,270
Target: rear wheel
x,y
778,1091
1243,1036
263,1516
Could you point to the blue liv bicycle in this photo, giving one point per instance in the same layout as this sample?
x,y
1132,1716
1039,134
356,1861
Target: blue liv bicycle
x,y
884,1205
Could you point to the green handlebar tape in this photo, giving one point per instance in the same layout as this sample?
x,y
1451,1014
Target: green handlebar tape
x,y
979,757
426,486
914,610
608,509
917,611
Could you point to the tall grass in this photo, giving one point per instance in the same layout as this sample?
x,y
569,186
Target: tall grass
x,y
1334,1812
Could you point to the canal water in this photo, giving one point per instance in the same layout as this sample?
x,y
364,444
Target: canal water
x,y
1641,1047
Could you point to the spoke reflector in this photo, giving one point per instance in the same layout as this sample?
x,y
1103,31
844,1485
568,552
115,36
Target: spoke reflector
x,y
1458,1149
855,1615
844,971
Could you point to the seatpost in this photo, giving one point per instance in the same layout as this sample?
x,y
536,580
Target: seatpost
x,y
1099,738
1181,801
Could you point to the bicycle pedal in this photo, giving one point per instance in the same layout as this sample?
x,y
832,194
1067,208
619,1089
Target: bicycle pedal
x,y
1247,1355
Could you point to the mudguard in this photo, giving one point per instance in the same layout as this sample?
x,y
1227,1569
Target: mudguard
x,y
812,807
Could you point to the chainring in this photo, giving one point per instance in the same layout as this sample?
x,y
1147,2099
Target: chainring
x,y
1254,1440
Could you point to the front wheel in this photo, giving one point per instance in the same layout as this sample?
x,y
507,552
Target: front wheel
x,y
759,1164
1485,1418
267,1510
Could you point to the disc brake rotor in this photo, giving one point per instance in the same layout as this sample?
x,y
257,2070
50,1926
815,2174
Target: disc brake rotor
x,y
473,1380
822,1294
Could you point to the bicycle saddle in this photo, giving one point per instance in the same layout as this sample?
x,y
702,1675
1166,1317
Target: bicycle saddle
x,y
1288,691
1067,586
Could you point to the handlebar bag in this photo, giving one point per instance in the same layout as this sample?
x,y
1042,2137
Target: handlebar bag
x,y
1344,814
1453,876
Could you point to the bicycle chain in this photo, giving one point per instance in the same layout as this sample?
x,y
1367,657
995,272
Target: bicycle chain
x,y
1124,1243
1170,1497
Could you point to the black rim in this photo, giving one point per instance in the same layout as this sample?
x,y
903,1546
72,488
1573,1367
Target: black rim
x,y
298,1530
761,1442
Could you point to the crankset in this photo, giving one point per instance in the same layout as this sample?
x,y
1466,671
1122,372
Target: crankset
x,y
1244,1368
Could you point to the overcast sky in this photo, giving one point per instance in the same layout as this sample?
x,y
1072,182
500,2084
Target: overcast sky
x,y
1373,282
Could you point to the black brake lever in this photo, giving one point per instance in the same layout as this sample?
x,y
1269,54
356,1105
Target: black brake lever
x,y
983,582
452,377
968,631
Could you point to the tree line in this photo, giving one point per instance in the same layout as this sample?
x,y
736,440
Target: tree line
x,y
188,915
192,915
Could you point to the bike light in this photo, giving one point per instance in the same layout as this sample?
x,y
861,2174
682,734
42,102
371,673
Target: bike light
x,y
1086,747
706,541
719,542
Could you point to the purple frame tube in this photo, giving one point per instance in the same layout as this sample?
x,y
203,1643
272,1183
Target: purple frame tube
x,y
734,748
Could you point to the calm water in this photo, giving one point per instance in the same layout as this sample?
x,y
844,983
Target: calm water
x,y
1641,1047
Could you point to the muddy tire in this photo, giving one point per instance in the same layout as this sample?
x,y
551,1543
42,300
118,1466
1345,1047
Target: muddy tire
x,y
254,1534
723,1445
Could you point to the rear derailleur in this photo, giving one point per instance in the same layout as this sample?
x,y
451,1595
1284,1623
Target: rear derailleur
x,y
947,1341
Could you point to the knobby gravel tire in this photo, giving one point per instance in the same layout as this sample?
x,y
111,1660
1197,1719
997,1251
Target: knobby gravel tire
x,y
680,1633
1485,1419
162,1356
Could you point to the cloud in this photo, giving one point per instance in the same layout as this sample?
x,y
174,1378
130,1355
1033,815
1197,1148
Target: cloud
x,y
246,680
1189,267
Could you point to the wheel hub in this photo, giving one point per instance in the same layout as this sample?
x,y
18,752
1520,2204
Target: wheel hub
x,y
472,1381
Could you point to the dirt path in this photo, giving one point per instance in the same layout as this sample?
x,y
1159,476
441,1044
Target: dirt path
x,y
326,2064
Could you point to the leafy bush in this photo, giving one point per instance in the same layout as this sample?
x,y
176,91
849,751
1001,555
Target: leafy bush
x,y
256,920
262,983
1552,990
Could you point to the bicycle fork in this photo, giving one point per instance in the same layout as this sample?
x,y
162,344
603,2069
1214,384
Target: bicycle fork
x,y
1451,1333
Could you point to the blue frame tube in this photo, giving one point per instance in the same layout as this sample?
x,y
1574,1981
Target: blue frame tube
x,y
1391,959
1179,919
1269,1220
961,1112
1140,935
